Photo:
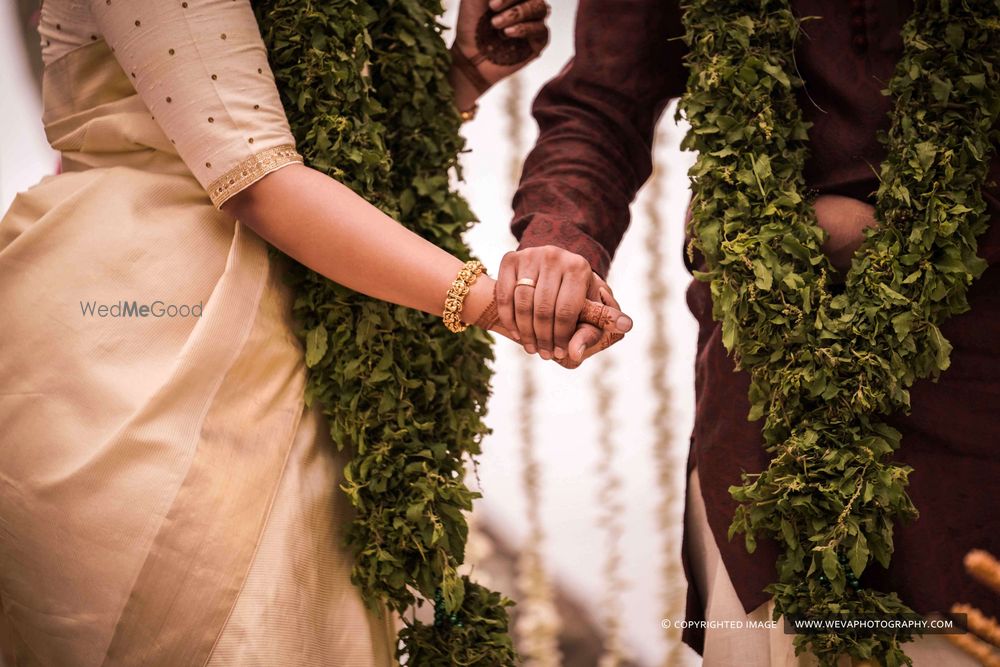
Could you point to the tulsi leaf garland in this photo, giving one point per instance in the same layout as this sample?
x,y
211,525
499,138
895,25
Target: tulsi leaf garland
x,y
364,85
827,366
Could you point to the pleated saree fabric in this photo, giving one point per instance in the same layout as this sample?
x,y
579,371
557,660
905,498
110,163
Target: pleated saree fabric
x,y
165,496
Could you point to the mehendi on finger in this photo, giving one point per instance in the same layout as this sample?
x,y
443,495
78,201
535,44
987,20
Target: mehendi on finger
x,y
609,339
597,314
498,48
535,9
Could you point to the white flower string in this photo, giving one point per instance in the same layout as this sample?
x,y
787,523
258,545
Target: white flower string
x,y
668,512
537,619
537,622
610,509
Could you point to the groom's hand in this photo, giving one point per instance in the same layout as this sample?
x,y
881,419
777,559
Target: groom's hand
x,y
542,311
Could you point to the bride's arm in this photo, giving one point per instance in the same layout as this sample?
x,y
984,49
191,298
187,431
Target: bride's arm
x,y
201,69
324,225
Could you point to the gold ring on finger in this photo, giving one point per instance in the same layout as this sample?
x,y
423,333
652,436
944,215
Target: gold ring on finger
x,y
526,282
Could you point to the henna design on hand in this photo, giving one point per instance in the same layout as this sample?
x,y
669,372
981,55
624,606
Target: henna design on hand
x,y
596,314
498,48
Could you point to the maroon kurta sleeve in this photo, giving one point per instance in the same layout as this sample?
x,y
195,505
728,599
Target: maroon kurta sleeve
x,y
596,121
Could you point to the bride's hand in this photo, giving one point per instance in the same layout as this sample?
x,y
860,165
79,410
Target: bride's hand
x,y
494,39
592,339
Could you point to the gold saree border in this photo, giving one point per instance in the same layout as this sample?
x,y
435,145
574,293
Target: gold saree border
x,y
251,170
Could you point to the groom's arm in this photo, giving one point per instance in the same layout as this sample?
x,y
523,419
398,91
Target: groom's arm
x,y
596,122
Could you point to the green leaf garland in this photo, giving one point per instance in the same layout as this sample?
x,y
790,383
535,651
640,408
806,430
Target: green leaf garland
x,y
365,89
827,365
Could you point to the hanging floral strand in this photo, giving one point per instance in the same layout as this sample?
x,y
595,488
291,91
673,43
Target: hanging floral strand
x,y
537,621
537,624
668,512
611,510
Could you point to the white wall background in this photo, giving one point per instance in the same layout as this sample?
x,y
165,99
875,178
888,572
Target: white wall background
x,y
565,405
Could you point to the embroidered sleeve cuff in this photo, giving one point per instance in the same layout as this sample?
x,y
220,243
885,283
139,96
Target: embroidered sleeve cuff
x,y
250,171
537,229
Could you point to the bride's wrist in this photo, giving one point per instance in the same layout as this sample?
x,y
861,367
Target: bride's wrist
x,y
478,300
488,319
469,296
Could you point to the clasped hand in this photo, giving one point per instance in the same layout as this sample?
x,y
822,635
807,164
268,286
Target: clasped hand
x,y
551,302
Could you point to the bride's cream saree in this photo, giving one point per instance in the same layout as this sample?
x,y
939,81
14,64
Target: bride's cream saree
x,y
165,498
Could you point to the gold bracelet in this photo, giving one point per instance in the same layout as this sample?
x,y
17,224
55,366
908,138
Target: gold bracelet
x,y
456,295
466,116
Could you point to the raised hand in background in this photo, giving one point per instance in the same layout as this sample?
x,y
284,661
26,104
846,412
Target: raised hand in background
x,y
492,41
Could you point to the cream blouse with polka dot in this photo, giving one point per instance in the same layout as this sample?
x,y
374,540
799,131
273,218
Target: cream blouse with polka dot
x,y
201,68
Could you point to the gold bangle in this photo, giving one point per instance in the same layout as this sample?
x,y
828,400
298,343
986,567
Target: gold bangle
x,y
466,116
456,295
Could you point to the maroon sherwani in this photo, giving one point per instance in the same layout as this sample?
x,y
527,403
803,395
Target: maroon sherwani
x,y
593,154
